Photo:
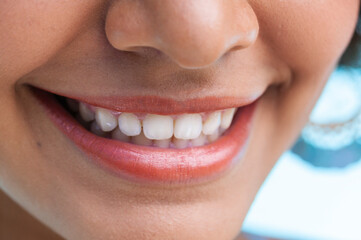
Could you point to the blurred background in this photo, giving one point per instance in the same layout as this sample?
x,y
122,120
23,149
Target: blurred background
x,y
314,191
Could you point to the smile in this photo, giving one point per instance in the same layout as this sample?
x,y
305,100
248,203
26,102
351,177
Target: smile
x,y
165,131
153,146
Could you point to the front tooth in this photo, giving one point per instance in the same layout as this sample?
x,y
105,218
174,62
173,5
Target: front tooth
x,y
142,140
129,124
117,134
227,117
199,141
158,127
105,119
162,143
188,126
86,113
212,123
180,143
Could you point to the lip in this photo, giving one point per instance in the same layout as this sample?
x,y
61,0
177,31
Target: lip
x,y
151,164
160,105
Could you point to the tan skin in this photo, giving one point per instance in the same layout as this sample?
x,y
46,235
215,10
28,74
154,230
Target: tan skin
x,y
182,49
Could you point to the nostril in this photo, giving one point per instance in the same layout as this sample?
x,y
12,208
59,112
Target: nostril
x,y
148,52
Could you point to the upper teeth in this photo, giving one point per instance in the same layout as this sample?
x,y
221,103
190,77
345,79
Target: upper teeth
x,y
180,131
158,127
212,123
227,117
86,113
129,124
188,126
106,120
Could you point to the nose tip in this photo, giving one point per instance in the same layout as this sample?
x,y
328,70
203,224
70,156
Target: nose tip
x,y
194,34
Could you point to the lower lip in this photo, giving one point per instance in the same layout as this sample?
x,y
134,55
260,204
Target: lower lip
x,y
151,164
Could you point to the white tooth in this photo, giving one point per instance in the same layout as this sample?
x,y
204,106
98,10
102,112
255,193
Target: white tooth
x,y
188,126
72,104
227,117
212,123
199,141
105,119
213,137
95,128
158,127
129,124
162,143
180,143
86,113
142,140
117,134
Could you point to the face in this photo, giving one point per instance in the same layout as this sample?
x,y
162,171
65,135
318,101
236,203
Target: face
x,y
125,60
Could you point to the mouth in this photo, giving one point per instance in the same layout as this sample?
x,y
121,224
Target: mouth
x,y
182,146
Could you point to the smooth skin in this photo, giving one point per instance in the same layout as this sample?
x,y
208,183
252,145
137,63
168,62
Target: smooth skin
x,y
176,49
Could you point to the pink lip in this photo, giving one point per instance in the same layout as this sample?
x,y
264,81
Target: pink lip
x,y
155,164
159,105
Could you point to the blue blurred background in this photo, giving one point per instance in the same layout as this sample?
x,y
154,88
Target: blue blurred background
x,y
314,191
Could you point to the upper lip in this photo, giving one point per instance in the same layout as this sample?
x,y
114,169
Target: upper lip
x,y
162,105
168,90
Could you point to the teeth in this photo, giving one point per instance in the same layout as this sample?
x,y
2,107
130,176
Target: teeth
x,y
227,118
142,140
105,119
158,127
180,143
199,141
129,124
162,143
182,131
212,123
86,113
188,126
117,134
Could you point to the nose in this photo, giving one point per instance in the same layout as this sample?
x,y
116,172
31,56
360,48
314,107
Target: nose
x,y
193,33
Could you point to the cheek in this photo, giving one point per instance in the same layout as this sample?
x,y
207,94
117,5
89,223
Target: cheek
x,y
308,35
31,31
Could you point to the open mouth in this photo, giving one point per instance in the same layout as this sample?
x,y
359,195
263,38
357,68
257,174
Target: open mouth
x,y
165,131
152,147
